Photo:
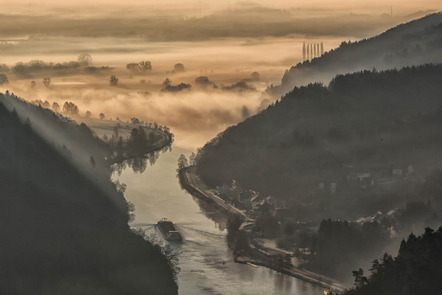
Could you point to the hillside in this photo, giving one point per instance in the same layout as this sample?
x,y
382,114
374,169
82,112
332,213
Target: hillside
x,y
413,43
415,270
365,136
65,231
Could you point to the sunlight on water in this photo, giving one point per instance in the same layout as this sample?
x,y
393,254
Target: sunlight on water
x,y
205,261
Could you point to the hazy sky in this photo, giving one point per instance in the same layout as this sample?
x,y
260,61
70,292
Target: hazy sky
x,y
207,6
226,49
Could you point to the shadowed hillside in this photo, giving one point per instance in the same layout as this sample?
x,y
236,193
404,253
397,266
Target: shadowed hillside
x,y
62,232
413,43
415,270
336,150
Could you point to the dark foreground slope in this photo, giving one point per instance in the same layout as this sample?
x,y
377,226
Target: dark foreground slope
x,y
416,269
413,43
367,122
61,234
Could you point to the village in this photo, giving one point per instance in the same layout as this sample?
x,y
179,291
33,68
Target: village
x,y
261,228
256,205
271,225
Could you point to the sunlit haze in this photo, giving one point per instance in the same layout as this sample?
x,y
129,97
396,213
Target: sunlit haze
x,y
113,37
206,147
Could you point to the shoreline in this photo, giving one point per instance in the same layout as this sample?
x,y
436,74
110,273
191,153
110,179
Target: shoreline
x,y
165,141
159,145
194,186
302,274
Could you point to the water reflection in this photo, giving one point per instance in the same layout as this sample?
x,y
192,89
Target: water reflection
x,y
206,263
282,283
212,213
139,163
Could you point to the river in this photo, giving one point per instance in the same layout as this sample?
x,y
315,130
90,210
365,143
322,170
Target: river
x,y
206,263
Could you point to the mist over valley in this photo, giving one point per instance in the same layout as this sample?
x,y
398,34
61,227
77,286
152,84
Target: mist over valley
x,y
234,147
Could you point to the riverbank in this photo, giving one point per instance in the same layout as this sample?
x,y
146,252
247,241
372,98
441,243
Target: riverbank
x,y
258,258
192,183
163,143
66,224
106,129
258,254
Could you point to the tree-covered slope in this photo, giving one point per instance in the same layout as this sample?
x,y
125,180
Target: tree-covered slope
x,y
416,269
64,232
413,43
362,122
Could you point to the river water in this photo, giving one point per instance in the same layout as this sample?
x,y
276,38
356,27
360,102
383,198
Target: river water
x,y
206,263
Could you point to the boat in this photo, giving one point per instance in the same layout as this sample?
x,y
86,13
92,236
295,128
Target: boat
x,y
169,231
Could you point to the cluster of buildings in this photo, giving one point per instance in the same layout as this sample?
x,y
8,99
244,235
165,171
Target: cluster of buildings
x,y
250,201
365,178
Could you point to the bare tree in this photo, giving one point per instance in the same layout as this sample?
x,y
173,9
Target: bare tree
x,y
70,108
146,65
47,81
56,107
84,59
113,80
179,67
167,82
255,76
142,66
133,67
3,79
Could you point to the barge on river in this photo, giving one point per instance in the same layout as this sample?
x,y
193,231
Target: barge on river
x,y
169,231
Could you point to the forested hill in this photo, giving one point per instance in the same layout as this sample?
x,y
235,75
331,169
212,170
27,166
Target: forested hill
x,y
416,270
413,43
370,122
61,232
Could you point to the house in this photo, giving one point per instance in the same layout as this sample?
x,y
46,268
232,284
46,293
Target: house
x,y
367,182
247,228
245,198
284,214
254,201
359,176
271,200
264,208
397,171
333,187
229,192
224,189
410,170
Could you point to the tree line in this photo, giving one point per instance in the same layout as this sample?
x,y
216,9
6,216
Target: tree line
x,y
64,230
315,134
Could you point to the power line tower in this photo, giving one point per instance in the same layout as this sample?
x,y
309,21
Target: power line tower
x,y
303,51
